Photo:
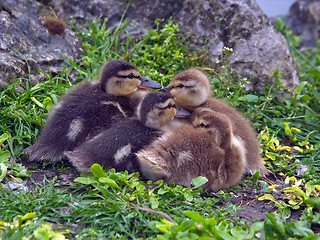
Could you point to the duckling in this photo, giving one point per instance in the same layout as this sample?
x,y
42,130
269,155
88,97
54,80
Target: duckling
x,y
88,109
115,147
207,148
191,89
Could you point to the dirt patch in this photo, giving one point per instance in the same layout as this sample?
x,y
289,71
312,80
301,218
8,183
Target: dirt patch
x,y
42,171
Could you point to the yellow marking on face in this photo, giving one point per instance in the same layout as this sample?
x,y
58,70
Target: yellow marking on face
x,y
190,88
168,111
187,94
168,115
161,114
124,84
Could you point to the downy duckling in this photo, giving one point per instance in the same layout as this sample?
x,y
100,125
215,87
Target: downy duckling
x,y
191,89
116,146
208,148
88,109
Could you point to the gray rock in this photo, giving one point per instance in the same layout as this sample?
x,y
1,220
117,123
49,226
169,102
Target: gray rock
x,y
258,48
26,45
18,187
304,20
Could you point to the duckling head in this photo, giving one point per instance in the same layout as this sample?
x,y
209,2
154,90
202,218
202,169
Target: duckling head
x,y
157,110
120,78
190,88
215,124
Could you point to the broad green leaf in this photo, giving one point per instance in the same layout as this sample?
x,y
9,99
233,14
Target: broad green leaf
x,y
252,98
19,170
292,202
195,217
299,229
267,197
118,176
3,138
45,233
310,188
215,81
298,90
212,222
199,181
295,189
4,156
154,203
85,180
109,182
274,224
3,171
97,171
220,234
162,191
256,175
315,202
188,196
28,216
41,234
256,227
223,225
163,227
305,98
47,102
280,23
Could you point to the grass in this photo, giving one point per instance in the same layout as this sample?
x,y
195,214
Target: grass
x,y
111,205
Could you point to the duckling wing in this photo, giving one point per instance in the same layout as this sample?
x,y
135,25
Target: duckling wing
x,y
81,114
114,147
242,129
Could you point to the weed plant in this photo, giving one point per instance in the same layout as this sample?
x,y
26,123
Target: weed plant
x,y
111,205
164,52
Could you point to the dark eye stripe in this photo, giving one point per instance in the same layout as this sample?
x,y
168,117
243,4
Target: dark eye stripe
x,y
184,86
131,76
169,106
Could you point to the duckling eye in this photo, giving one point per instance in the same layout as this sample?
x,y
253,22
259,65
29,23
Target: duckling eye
x,y
202,125
180,85
169,106
130,76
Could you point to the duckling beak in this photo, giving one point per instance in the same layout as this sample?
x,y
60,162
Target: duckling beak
x,y
166,91
148,84
181,113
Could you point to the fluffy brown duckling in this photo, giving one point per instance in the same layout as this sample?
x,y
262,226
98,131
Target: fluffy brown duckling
x,y
88,109
191,89
116,146
208,148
